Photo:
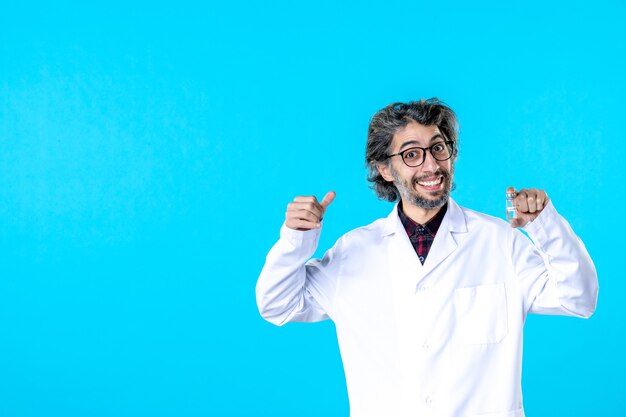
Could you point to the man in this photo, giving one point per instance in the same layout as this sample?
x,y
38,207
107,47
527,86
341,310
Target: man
x,y
429,303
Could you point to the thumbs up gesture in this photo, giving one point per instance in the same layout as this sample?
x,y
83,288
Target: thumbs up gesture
x,y
305,213
528,203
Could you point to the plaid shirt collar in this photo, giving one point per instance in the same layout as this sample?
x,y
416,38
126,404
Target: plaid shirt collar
x,y
430,227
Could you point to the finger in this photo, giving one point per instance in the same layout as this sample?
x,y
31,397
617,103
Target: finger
x,y
305,199
519,222
302,225
542,200
531,200
302,215
314,208
511,190
521,204
328,198
516,222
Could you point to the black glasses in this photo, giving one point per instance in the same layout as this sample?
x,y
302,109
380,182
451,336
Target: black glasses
x,y
415,156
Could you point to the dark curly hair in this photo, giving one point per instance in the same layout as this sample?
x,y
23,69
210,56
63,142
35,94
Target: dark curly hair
x,y
387,121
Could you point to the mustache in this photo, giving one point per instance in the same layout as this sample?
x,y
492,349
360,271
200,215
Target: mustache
x,y
439,172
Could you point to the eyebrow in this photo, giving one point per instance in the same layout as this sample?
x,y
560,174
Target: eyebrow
x,y
414,142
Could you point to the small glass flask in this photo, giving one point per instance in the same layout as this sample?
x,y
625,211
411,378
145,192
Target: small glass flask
x,y
511,212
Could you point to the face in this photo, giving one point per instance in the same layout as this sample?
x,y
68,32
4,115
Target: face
x,y
428,185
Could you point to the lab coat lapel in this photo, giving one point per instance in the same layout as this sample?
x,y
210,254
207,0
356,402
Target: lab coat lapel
x,y
445,243
404,265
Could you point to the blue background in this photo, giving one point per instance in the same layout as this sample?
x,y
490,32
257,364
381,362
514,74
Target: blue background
x,y
148,151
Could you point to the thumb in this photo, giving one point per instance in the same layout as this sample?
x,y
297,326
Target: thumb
x,y
328,198
517,222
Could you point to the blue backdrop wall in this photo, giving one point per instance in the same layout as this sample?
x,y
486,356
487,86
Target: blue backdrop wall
x,y
148,151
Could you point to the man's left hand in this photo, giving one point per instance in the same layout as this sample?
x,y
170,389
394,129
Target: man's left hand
x,y
529,203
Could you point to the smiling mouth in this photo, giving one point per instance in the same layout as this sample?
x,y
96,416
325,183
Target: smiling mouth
x,y
432,182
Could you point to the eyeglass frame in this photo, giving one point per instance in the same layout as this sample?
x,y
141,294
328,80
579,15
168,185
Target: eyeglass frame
x,y
448,143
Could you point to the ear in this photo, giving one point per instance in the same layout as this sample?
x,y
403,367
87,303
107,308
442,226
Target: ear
x,y
384,170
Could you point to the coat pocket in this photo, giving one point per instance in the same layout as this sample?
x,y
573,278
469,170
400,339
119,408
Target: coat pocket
x,y
481,314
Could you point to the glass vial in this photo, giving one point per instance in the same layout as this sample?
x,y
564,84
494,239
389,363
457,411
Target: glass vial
x,y
511,213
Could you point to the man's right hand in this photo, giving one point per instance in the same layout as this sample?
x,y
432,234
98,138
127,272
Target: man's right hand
x,y
305,213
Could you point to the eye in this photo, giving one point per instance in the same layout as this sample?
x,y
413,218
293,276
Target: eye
x,y
439,147
411,154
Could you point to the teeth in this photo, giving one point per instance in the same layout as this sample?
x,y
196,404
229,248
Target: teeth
x,y
430,183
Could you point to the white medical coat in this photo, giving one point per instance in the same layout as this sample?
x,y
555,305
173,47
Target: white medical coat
x,y
439,339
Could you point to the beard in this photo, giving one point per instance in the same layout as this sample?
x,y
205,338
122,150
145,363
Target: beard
x,y
425,200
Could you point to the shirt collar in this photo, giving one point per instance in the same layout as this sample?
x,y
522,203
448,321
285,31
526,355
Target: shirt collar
x,y
430,227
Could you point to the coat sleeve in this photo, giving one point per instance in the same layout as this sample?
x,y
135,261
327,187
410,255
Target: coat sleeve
x,y
556,273
293,287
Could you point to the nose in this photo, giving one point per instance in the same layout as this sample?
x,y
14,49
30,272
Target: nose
x,y
430,163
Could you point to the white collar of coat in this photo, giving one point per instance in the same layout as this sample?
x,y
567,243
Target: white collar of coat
x,y
453,221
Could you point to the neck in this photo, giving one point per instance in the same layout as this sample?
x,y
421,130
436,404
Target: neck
x,y
418,214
